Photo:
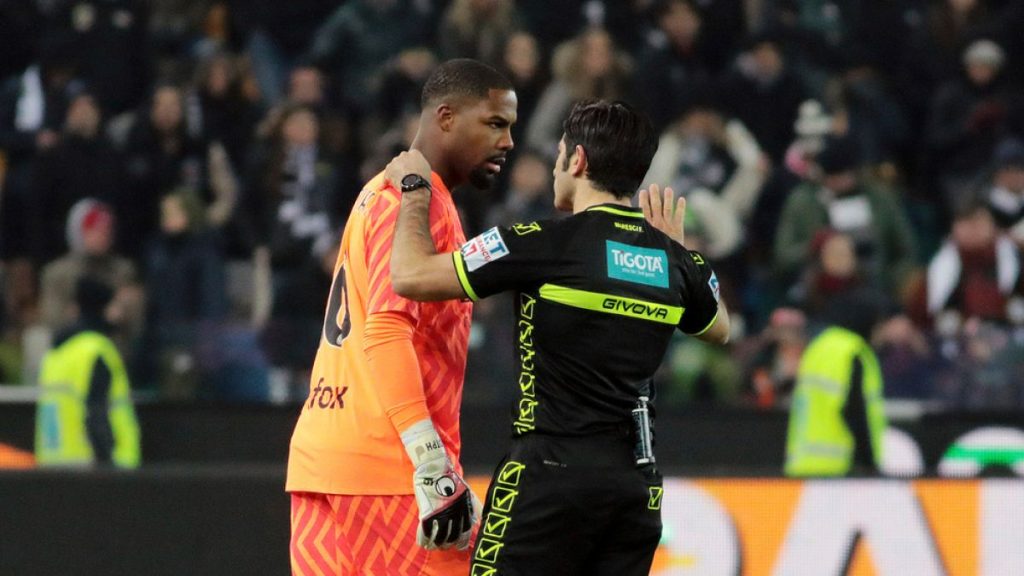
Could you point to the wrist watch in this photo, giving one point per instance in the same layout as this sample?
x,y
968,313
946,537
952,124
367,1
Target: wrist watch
x,y
414,182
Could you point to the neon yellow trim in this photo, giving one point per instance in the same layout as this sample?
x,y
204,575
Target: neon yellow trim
x,y
460,271
708,327
616,211
612,304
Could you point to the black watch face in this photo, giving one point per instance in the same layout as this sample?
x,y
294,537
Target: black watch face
x,y
413,181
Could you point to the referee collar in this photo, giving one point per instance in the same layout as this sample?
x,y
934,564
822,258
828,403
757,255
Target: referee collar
x,y
617,210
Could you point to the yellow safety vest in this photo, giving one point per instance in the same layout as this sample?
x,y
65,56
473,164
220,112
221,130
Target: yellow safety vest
x,y
819,442
61,436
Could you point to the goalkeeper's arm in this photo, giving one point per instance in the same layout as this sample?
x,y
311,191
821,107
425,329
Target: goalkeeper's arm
x,y
445,503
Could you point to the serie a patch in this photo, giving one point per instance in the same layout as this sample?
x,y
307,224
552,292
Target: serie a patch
x,y
486,247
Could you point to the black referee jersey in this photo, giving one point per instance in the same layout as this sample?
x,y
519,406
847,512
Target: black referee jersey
x,y
598,297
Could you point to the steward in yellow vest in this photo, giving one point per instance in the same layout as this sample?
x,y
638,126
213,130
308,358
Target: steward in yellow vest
x,y
837,418
85,414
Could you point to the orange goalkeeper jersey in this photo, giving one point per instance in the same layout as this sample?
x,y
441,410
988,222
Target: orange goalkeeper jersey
x,y
344,442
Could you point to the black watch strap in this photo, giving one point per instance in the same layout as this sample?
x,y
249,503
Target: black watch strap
x,y
414,182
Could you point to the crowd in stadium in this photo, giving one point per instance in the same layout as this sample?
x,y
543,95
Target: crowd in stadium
x,y
202,155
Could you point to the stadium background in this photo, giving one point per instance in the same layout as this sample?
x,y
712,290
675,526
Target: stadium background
x,y
260,119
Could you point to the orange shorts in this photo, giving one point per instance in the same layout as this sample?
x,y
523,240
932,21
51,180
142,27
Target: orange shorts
x,y
340,535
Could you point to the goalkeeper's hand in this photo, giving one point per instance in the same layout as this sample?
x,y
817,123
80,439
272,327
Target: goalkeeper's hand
x,y
448,510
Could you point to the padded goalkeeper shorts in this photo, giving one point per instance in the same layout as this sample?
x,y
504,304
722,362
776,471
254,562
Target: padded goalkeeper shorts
x,y
566,506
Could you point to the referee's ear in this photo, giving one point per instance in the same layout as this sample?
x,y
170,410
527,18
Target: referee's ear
x,y
578,163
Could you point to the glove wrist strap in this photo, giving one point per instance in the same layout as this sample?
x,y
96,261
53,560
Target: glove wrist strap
x,y
423,444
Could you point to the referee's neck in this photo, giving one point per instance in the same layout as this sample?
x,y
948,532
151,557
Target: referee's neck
x,y
587,196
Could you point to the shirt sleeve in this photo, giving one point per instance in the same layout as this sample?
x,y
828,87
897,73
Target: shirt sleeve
x,y
501,259
380,234
701,294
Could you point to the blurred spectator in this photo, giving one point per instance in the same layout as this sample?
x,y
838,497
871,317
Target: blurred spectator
x,y
907,358
870,115
764,94
112,43
935,51
975,274
477,29
32,111
278,35
160,156
846,203
812,126
290,208
672,72
218,108
293,330
90,237
771,358
185,284
522,65
1006,189
716,163
833,271
981,365
967,117
85,415
589,66
360,37
307,86
82,165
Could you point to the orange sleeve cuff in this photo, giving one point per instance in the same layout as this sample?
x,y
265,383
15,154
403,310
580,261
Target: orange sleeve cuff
x,y
392,361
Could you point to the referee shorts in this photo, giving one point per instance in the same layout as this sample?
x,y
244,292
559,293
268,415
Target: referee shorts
x,y
343,535
569,506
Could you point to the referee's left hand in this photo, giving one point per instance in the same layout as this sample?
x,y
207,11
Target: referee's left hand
x,y
662,212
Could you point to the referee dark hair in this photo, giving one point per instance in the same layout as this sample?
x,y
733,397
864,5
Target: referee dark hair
x,y
598,297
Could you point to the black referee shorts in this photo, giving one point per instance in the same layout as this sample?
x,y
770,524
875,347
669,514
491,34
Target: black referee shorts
x,y
569,506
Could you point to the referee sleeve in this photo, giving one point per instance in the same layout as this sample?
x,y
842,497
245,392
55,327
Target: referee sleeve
x,y
701,294
501,259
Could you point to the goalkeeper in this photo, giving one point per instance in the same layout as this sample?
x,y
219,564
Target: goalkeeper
x,y
373,467
598,296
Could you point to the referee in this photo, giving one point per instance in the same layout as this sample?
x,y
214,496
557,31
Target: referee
x,y
599,295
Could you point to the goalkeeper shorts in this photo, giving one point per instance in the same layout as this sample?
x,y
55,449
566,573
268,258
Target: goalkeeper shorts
x,y
560,506
354,535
